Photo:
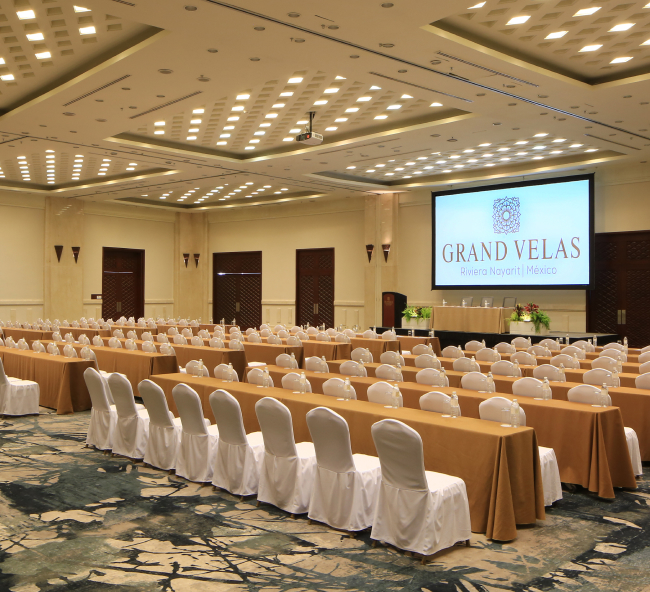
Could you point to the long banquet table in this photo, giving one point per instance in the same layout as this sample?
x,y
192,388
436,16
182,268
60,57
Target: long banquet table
x,y
60,380
29,335
470,319
500,466
407,343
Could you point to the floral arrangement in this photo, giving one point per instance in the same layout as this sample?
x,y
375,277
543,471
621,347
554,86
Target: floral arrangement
x,y
416,312
532,313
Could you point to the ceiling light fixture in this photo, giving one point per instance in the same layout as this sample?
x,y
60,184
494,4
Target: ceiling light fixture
x,y
587,48
621,27
556,35
518,20
587,11
85,31
620,60
24,15
296,80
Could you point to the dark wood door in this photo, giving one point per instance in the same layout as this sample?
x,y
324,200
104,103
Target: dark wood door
x,y
315,287
621,297
122,283
237,288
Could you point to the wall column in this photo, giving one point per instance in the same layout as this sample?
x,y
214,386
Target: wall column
x,y
63,280
191,282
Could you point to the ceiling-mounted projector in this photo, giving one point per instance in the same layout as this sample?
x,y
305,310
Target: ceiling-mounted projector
x,y
310,137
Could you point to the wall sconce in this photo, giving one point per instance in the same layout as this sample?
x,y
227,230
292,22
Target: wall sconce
x,y
369,250
186,258
75,253
196,258
59,250
386,249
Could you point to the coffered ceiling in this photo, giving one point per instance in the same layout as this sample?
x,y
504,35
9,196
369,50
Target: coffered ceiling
x,y
196,104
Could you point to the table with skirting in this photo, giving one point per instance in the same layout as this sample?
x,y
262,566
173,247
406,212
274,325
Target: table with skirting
x,y
470,319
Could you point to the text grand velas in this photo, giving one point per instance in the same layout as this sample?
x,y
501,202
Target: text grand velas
x,y
526,249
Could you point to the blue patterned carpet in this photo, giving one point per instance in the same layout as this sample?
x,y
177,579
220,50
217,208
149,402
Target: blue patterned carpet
x,y
73,518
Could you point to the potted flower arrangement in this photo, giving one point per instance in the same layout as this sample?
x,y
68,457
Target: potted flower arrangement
x,y
416,317
529,319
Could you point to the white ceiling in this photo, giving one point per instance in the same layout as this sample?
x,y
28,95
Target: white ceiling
x,y
454,90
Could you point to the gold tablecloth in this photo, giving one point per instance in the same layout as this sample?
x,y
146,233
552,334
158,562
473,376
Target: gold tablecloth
x,y
470,319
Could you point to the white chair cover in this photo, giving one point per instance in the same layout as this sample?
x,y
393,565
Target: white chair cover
x,y
220,372
540,350
98,341
179,339
417,510
69,351
197,341
487,355
216,342
18,397
505,368
149,347
528,387
427,361
316,364
162,338
369,334
452,351
600,376
291,382
118,333
474,381
288,470
392,358
361,354
131,334
132,427
617,346
115,343
274,340
547,371
436,401
571,349
130,345
521,342
346,486
551,344
644,357
588,347
294,340
254,338
389,335
613,353
387,372
505,348
524,358
164,429
235,344
419,349
286,361
352,368
192,366
323,337
239,458
37,346
432,377
465,365
642,381
342,338
187,333
255,376
199,439
568,361
334,387
381,392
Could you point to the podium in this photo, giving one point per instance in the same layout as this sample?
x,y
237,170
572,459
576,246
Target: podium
x,y
392,305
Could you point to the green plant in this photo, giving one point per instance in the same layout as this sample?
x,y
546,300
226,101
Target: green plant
x,y
533,313
426,312
411,312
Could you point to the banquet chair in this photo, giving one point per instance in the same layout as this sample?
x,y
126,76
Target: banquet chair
x,y
613,345
197,341
115,343
391,357
254,338
131,335
283,334
466,365
607,363
528,387
255,376
490,410
312,331
162,338
199,439
146,336
2,343
265,332
216,342
118,333
203,334
335,387
250,330
18,397
83,339
361,354
389,335
540,350
572,349
475,381
369,334
69,338
590,395
192,368
286,361
316,364
274,340
346,485
420,349
37,346
547,371
194,323
437,402
582,344
239,457
149,347
342,338
331,331
427,361
164,429
9,342
75,324
180,340
295,329
388,372
65,323
524,358
278,327
488,355
288,468
505,368
130,345
132,426
521,342
167,349
302,335
323,337
417,510
291,382
568,361
452,351
22,344
172,331
642,381
505,348
645,349
382,392
474,345
600,376
350,333
613,353
235,344
265,326
550,344
224,372
644,357
103,415
352,368
187,333
69,351
293,340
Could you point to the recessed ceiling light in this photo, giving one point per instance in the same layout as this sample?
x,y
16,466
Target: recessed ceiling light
x,y
587,11
469,150
435,105
331,129
540,135
271,115
538,158
363,99
502,149
198,111
278,106
37,36
592,150
590,48
229,127
295,130
350,110
575,146
381,116
193,130
620,60
556,35
351,167
224,136
188,138
375,88
23,15
238,108
393,107
87,30
81,9
388,174
133,164
485,144
330,91
479,5
621,27
487,155
253,141
296,80
518,20
195,121
259,133
557,140
321,102
521,142
406,97
287,94
249,148
539,147
234,118
243,97
302,122
646,42
265,125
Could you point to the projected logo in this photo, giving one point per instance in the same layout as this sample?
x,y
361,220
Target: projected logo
x,y
505,215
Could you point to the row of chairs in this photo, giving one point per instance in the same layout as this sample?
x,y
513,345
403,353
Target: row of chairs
x,y
405,505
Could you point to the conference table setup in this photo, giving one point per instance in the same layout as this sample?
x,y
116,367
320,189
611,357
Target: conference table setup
x,y
29,335
470,319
